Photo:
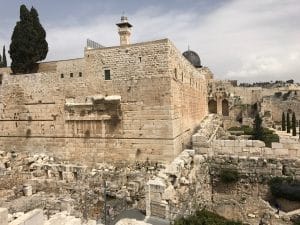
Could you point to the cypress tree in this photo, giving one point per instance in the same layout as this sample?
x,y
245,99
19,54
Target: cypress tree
x,y
258,131
288,123
299,128
1,61
28,43
283,123
294,131
41,45
4,62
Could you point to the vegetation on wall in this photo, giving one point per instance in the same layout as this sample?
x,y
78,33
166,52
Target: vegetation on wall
x,y
229,175
245,129
287,188
205,217
296,222
267,136
28,42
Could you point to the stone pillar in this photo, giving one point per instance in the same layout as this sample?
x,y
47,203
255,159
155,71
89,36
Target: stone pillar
x,y
155,205
3,216
219,106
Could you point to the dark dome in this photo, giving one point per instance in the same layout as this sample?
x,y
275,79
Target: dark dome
x,y
193,58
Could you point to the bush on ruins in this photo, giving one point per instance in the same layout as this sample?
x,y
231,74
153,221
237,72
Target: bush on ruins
x,y
287,188
229,175
205,217
266,135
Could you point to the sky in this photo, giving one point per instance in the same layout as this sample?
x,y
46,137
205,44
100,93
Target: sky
x,y
246,40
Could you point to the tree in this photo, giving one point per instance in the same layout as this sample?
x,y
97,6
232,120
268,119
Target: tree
x,y
4,62
294,131
1,65
283,123
258,131
288,123
28,42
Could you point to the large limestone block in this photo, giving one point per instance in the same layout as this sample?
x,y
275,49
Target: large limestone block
x,y
281,151
277,145
249,143
255,151
268,151
242,143
131,222
34,217
3,216
156,185
229,143
259,144
170,194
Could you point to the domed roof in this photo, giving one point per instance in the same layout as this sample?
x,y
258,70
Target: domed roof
x,y
193,58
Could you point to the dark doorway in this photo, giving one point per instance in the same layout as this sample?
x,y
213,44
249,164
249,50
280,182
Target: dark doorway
x,y
225,108
212,106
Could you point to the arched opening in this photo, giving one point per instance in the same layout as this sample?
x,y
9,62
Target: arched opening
x,y
212,106
225,108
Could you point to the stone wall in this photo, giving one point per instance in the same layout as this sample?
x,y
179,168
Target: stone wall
x,y
276,106
148,109
250,148
179,189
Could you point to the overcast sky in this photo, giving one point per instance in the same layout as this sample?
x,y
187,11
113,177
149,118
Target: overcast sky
x,y
248,40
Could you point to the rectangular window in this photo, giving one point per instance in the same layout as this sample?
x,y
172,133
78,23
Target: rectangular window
x,y
80,74
62,75
71,74
1,77
107,74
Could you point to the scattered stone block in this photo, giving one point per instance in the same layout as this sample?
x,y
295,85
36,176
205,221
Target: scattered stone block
x,y
3,216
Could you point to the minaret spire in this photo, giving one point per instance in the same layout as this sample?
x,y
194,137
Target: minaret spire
x,y
124,31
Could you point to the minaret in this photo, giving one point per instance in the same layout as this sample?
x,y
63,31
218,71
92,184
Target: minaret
x,y
124,31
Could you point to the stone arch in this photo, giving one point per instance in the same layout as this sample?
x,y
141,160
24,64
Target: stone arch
x,y
212,106
225,107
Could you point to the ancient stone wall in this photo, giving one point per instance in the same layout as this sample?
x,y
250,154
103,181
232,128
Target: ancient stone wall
x,y
189,106
179,189
116,103
275,106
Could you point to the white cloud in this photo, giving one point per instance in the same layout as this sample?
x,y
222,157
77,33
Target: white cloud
x,y
244,40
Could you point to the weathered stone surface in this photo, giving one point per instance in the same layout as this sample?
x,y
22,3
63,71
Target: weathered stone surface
x,y
3,216
34,217
70,111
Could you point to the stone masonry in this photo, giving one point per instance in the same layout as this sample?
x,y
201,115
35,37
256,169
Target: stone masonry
x,y
129,102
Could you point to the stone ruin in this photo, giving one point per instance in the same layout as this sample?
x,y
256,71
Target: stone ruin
x,y
138,126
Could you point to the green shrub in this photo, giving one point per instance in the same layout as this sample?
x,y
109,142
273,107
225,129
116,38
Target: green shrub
x,y
285,188
269,138
246,129
229,175
296,221
205,217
